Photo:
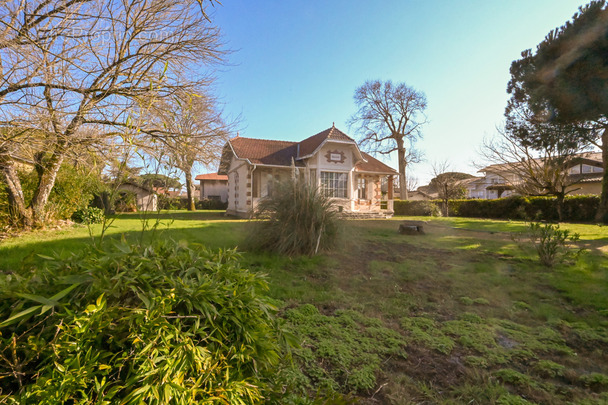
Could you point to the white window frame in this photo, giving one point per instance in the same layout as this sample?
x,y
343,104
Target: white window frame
x,y
362,193
334,184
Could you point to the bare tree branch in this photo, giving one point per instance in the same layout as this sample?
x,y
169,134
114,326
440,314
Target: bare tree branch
x,y
388,117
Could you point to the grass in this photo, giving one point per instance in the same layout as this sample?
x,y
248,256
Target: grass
x,y
458,315
211,228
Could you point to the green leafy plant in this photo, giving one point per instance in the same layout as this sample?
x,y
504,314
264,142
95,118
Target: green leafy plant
x,y
594,380
552,243
89,215
548,368
343,352
299,220
159,324
125,201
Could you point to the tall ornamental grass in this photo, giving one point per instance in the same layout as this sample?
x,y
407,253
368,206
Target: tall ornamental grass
x,y
297,220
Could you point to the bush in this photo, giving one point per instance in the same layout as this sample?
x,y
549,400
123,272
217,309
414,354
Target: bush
x,y
551,242
73,190
416,208
125,201
166,202
211,204
580,208
299,221
89,215
131,325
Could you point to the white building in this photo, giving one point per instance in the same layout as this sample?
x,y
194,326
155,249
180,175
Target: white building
x,y
330,159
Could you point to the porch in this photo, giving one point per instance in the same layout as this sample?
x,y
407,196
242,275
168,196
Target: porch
x,y
356,194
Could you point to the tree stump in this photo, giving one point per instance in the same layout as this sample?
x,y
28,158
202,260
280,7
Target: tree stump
x,y
411,228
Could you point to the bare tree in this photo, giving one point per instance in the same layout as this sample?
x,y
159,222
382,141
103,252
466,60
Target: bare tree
x,y
69,66
389,118
533,156
447,184
195,132
530,171
412,182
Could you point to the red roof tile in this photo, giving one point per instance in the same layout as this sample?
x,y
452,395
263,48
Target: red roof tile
x,y
265,152
309,145
211,176
373,165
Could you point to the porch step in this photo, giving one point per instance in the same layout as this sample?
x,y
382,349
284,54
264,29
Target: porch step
x,y
366,215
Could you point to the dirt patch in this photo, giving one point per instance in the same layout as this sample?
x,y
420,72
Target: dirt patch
x,y
429,366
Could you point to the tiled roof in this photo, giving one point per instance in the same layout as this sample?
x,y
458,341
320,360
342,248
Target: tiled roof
x,y
211,176
281,153
309,145
594,158
373,165
587,177
265,152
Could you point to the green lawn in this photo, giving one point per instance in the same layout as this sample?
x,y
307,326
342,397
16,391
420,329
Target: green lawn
x,y
459,315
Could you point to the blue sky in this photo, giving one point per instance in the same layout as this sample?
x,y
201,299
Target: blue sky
x,y
296,64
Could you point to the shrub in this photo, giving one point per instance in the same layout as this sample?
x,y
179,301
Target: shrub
x,y
416,208
211,204
551,243
131,325
73,190
125,201
576,208
299,221
89,215
166,202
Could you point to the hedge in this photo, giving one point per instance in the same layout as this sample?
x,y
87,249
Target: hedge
x,y
580,208
181,203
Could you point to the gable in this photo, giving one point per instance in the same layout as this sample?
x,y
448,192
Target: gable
x,y
308,146
335,147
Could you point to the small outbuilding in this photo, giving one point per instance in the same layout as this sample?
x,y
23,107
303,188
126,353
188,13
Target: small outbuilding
x,y
145,198
213,186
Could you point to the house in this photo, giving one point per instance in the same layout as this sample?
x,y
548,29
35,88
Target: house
x,y
330,159
145,198
213,186
501,180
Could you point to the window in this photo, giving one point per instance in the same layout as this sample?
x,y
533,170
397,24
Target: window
x,y
362,188
587,169
267,184
333,184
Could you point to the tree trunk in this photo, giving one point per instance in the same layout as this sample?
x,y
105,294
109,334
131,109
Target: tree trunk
x,y
602,211
15,193
401,157
47,176
560,206
190,190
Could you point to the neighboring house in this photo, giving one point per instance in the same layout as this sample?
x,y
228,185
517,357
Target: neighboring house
x,y
428,192
170,193
330,159
500,180
213,186
146,199
419,195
